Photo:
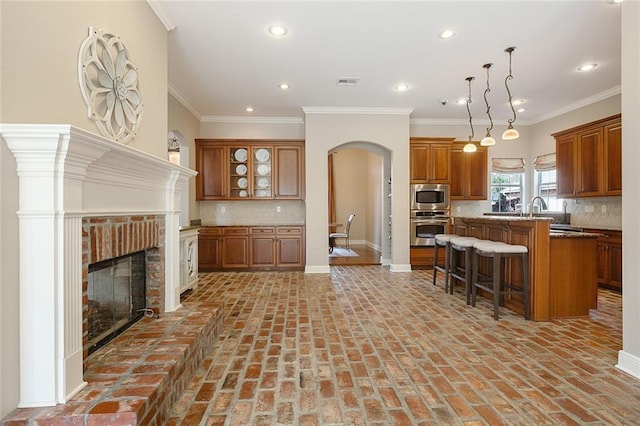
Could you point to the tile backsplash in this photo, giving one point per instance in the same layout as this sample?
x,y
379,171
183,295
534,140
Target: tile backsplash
x,y
592,211
251,213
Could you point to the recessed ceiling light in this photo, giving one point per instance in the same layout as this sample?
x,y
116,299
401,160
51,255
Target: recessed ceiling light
x,y
518,101
284,86
402,87
447,34
277,30
249,109
521,109
587,67
461,101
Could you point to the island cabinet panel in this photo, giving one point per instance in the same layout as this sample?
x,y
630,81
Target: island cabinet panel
x,y
469,173
430,160
589,159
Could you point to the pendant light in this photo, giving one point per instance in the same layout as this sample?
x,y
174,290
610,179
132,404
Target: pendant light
x,y
510,133
488,140
470,147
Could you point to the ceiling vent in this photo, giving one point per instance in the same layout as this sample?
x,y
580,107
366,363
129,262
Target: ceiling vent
x,y
347,81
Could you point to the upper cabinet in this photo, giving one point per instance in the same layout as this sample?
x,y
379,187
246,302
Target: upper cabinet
x,y
430,160
589,159
249,169
469,173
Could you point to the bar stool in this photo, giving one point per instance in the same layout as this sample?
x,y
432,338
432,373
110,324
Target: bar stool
x,y
463,245
497,286
444,241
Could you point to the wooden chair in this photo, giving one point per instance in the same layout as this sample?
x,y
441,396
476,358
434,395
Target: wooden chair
x,y
344,235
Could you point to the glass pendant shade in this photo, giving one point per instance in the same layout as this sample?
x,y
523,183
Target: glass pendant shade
x,y
487,141
510,133
470,147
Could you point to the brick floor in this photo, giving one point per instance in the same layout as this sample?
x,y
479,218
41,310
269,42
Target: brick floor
x,y
364,346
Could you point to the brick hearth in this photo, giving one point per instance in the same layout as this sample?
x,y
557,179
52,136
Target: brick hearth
x,y
138,377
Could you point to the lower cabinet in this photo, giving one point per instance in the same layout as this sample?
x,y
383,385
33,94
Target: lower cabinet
x,y
609,259
251,247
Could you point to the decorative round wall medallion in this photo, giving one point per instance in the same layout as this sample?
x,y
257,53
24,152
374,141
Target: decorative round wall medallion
x,y
109,85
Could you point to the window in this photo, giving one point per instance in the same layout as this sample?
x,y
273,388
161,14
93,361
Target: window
x,y
545,181
507,184
506,191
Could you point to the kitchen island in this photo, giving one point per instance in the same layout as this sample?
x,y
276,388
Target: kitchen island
x,y
562,265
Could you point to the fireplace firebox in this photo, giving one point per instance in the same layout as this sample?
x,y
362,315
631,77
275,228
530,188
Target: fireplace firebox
x,y
116,297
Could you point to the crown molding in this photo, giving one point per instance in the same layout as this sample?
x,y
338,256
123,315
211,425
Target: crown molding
x,y
251,120
580,104
174,92
361,110
162,14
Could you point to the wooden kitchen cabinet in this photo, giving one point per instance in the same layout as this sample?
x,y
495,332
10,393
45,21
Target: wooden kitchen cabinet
x,y
469,172
430,160
211,164
233,169
251,247
609,259
289,177
235,247
210,248
588,159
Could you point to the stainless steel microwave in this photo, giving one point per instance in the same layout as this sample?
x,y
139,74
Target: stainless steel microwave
x,y
429,197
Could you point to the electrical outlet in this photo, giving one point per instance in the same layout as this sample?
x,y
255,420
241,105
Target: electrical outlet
x,y
603,208
278,209
458,209
589,209
223,209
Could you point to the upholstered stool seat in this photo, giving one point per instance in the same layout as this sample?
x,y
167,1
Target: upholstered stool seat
x,y
498,286
442,240
463,245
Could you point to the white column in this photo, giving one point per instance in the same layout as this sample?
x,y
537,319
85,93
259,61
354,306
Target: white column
x,y
172,244
50,185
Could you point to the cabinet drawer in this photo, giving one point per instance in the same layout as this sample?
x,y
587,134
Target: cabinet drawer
x,y
210,231
235,230
261,230
289,230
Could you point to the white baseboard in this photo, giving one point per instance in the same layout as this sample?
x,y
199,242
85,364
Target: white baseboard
x,y
317,269
400,268
629,363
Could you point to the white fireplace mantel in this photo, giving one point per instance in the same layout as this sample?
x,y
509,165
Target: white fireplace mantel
x,y
64,174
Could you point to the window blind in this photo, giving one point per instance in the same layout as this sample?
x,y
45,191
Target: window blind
x,y
507,165
545,162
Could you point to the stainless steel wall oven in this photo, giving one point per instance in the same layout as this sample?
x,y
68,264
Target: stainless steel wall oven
x,y
430,209
425,227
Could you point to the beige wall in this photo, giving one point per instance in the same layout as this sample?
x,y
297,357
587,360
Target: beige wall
x,y
40,45
325,132
40,42
180,119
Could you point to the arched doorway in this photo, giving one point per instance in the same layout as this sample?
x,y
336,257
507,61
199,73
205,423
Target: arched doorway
x,y
359,183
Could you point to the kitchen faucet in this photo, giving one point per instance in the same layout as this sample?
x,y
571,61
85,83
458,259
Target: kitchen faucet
x,y
543,205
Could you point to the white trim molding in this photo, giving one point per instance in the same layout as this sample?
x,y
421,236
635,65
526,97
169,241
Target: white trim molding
x,y
357,110
65,174
629,363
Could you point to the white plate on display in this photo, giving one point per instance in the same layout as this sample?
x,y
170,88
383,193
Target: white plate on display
x,y
240,155
242,182
262,154
263,169
243,193
261,193
263,183
241,169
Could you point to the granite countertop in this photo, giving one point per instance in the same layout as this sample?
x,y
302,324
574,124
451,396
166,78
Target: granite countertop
x,y
503,218
600,227
569,234
256,223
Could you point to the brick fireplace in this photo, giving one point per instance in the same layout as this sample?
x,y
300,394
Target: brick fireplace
x,y
73,184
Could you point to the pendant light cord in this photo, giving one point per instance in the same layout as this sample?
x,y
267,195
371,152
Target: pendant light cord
x,y
487,90
510,50
469,79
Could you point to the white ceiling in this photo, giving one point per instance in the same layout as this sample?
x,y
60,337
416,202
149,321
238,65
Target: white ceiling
x,y
222,59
